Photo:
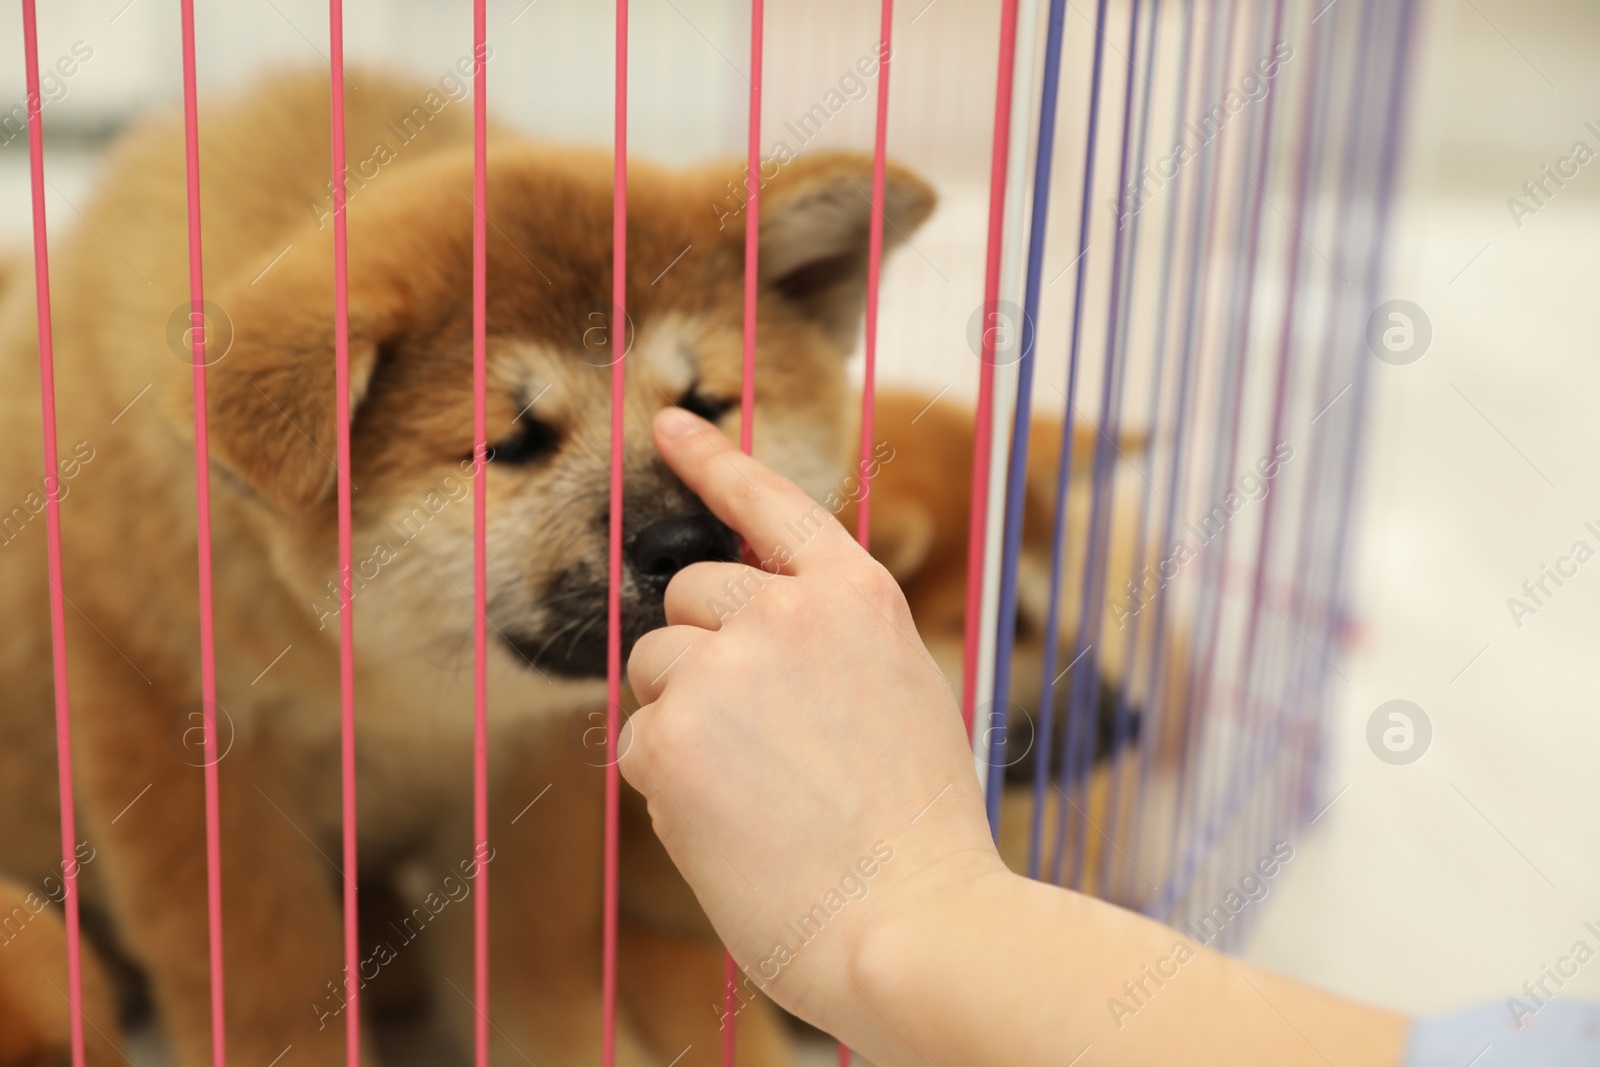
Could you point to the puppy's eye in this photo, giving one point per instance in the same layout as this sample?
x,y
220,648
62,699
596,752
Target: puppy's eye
x,y
706,407
529,442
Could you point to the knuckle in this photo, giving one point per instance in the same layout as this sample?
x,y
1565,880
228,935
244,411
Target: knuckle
x,y
664,818
634,757
879,587
783,602
745,492
673,737
685,586
717,660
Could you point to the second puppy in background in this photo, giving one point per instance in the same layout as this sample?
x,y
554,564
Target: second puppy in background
x,y
920,511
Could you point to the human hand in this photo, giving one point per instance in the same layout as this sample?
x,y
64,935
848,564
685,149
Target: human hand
x,y
803,757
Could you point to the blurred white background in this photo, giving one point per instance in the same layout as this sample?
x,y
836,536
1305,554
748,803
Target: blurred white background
x,y
1459,877
1423,887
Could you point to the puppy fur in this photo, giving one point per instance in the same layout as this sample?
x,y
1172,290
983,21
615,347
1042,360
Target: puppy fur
x,y
128,524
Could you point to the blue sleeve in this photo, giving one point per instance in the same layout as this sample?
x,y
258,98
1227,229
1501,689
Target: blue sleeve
x,y
1513,1034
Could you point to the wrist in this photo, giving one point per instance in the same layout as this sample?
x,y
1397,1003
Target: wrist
x,y
938,924
937,901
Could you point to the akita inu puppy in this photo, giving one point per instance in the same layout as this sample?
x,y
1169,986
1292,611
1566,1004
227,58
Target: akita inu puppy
x,y
123,367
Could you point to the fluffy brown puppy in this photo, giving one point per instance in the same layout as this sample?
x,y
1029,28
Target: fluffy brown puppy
x,y
128,517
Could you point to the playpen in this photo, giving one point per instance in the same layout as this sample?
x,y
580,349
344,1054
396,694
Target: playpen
x,y
1255,147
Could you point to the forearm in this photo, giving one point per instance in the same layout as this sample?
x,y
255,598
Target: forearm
x,y
1022,973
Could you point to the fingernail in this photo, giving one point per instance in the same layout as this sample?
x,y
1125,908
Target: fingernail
x,y
676,422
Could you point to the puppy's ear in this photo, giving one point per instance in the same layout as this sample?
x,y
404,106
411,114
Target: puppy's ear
x,y
271,393
816,216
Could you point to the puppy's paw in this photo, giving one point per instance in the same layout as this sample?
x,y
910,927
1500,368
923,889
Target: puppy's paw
x,y
35,1014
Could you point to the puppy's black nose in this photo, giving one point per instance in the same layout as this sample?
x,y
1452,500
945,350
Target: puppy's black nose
x,y
670,544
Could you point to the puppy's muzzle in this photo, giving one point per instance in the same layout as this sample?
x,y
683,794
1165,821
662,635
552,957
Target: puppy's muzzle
x,y
670,544
573,642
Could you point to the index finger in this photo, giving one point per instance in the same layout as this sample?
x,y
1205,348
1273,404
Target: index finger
x,y
787,530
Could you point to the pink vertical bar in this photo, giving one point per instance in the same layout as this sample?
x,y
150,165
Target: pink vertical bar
x,y
202,497
480,520
58,616
977,529
752,227
874,271
619,341
747,392
341,403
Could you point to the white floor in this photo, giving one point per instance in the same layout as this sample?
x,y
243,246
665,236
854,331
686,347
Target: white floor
x,y
1457,877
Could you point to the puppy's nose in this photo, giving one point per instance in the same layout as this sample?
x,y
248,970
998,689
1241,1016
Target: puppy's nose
x,y
670,544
